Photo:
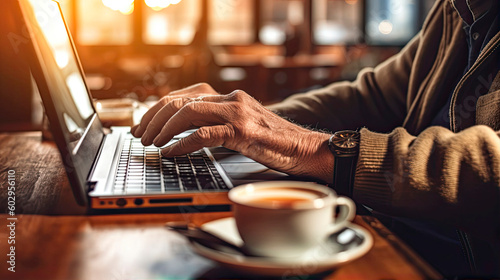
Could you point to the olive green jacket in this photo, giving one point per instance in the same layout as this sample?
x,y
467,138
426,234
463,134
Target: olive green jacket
x,y
431,173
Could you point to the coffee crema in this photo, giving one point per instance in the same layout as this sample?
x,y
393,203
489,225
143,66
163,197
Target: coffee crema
x,y
277,202
280,197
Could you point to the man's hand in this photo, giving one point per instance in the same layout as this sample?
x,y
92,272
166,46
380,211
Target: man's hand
x,y
237,122
197,90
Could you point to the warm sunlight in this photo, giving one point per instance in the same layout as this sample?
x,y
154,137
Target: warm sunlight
x,y
125,7
157,29
158,5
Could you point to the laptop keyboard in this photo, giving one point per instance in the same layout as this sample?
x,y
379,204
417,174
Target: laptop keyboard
x,y
143,170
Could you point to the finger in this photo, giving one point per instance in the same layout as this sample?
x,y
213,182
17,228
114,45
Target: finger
x,y
157,122
193,114
207,136
164,114
139,131
200,88
133,129
197,90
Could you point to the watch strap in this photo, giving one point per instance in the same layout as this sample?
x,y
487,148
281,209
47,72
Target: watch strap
x,y
343,174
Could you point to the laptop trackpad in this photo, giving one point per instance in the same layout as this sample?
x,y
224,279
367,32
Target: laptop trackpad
x,y
233,158
251,171
239,167
224,155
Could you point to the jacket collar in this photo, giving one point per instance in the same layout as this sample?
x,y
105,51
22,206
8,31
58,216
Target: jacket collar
x,y
471,10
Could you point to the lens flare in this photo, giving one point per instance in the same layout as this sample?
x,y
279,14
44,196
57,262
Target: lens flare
x,y
125,7
158,5
385,27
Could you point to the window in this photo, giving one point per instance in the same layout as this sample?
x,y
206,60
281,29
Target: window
x,y
104,22
391,22
278,19
234,22
176,24
337,22
231,22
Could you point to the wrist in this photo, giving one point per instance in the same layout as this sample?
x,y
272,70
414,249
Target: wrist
x,y
320,162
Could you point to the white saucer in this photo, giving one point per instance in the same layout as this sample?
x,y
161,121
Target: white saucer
x,y
344,246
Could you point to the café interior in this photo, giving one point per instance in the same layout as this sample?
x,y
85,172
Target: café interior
x,y
144,49
141,50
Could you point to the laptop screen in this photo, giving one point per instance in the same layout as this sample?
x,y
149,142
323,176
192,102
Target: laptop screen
x,y
59,77
67,86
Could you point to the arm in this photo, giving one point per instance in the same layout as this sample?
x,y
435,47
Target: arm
x,y
447,177
442,176
377,99
238,122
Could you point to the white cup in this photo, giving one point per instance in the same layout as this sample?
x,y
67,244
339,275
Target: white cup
x,y
287,218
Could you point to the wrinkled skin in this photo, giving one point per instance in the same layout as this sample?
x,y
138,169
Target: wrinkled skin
x,y
237,122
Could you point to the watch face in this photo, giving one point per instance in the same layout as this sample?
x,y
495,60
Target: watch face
x,y
346,139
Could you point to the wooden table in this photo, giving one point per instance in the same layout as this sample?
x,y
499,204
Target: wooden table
x,y
131,246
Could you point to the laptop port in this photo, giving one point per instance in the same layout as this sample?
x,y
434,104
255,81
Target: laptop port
x,y
171,200
139,201
121,202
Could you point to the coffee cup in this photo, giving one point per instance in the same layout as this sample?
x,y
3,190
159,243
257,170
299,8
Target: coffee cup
x,y
287,218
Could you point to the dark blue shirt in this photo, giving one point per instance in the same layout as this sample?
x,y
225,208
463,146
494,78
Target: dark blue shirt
x,y
479,27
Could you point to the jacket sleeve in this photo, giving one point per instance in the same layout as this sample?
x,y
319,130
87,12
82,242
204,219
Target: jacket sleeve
x,y
376,99
447,177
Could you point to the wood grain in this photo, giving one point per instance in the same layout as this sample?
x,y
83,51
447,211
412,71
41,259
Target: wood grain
x,y
134,246
42,185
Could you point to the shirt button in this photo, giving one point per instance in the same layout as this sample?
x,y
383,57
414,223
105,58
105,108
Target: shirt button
x,y
475,36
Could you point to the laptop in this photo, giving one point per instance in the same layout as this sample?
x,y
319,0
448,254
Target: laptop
x,y
114,170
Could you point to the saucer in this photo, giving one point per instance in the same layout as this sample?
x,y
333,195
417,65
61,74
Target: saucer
x,y
339,248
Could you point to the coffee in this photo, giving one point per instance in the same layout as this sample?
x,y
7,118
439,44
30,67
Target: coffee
x,y
277,202
285,219
282,197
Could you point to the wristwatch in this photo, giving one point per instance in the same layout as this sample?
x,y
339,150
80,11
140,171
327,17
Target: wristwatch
x,y
344,146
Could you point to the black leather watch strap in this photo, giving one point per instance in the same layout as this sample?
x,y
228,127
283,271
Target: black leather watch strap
x,y
343,174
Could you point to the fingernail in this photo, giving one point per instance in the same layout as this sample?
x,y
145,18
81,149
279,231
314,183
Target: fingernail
x,y
145,140
156,140
166,151
137,132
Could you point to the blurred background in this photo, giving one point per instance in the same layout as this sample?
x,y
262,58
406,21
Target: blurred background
x,y
143,49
